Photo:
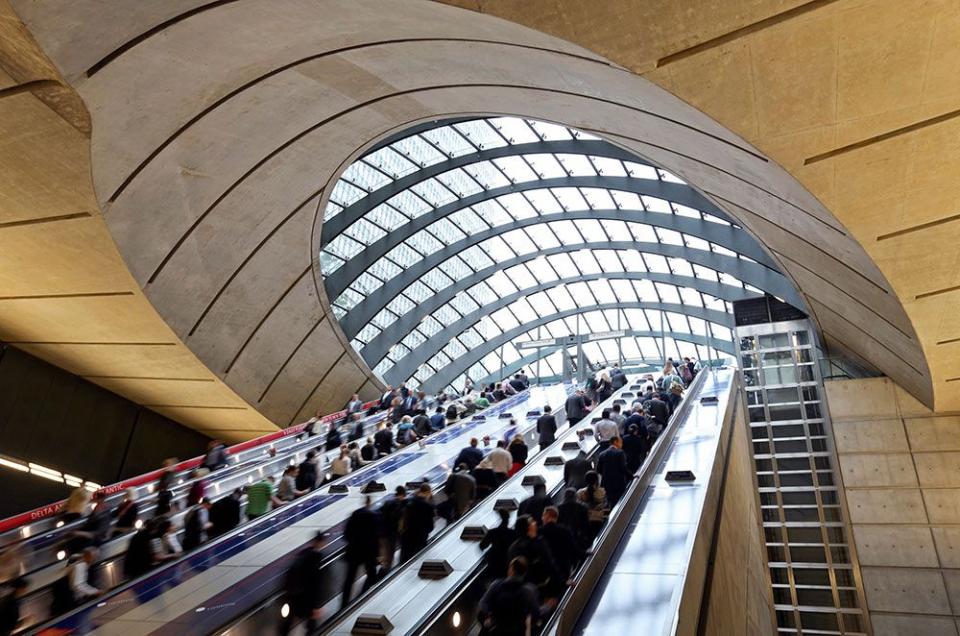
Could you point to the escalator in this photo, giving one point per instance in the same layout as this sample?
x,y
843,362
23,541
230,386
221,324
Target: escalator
x,y
208,588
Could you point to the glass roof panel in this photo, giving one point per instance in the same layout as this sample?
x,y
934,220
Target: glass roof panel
x,y
424,158
514,129
418,151
468,221
480,133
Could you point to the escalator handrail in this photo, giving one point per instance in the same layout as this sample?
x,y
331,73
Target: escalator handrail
x,y
49,510
246,527
577,595
450,527
436,608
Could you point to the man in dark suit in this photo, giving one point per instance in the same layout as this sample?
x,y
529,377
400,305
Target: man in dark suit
x,y
547,427
575,471
614,474
563,545
418,519
576,407
362,535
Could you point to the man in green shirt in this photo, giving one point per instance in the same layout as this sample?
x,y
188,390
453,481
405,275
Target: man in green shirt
x,y
482,402
261,498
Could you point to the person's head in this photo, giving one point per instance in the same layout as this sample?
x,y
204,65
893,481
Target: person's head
x,y
474,441
344,450
569,495
89,555
547,409
400,493
616,409
526,526
333,427
605,376
483,394
164,526
406,419
311,454
206,503
516,376
550,515
501,444
439,409
592,479
616,442
633,429
606,414
421,395
517,568
237,493
424,491
517,439
686,358
357,416
353,446
97,497
355,397
539,489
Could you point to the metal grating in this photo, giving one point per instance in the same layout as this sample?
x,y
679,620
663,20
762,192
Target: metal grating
x,y
813,568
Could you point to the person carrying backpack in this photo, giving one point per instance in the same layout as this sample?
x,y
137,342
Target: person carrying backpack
x,y
196,524
74,587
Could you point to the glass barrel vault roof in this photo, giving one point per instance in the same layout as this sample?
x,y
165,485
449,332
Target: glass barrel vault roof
x,y
445,249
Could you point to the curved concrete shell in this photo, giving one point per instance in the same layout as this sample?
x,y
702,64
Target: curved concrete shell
x,y
217,127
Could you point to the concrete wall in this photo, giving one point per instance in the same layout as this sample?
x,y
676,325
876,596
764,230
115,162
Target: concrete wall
x,y
739,600
62,421
901,471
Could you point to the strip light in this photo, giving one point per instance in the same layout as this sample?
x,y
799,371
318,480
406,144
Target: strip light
x,y
40,470
14,465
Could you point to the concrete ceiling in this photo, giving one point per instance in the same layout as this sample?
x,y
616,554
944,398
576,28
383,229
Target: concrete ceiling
x,y
217,126
65,293
857,99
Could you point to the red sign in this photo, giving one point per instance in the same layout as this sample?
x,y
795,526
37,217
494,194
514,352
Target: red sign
x,y
51,509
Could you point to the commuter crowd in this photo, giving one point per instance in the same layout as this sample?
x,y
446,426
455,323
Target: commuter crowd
x,y
532,563
183,515
529,563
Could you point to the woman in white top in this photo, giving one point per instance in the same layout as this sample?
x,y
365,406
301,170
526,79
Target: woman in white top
x,y
287,491
341,465
164,545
